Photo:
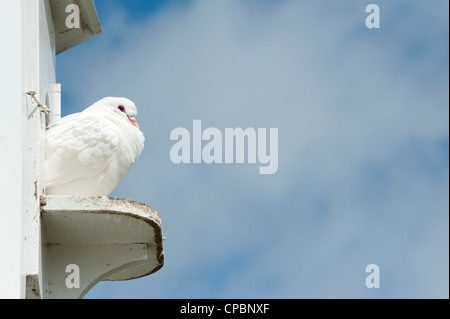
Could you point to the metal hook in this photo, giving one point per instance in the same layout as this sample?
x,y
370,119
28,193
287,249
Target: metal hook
x,y
44,109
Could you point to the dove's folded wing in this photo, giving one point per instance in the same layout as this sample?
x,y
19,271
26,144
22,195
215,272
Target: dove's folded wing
x,y
78,146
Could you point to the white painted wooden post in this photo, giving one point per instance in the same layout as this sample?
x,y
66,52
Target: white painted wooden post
x,y
38,54
54,102
28,64
11,152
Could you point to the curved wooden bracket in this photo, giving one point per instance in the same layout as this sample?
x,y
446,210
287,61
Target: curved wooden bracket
x,y
105,238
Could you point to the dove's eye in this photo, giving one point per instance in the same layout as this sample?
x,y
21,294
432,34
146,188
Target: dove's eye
x,y
122,108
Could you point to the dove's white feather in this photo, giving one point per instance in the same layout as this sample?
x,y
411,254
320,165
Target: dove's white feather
x,y
88,153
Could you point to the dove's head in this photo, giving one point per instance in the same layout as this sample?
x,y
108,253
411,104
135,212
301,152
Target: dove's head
x,y
121,106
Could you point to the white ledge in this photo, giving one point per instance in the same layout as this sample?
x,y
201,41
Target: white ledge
x,y
107,238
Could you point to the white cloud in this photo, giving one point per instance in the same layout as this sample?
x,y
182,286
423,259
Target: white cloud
x,y
342,102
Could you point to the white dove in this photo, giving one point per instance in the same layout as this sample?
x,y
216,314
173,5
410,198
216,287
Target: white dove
x,y
88,153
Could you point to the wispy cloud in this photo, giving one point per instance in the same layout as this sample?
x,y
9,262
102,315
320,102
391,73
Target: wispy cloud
x,y
363,144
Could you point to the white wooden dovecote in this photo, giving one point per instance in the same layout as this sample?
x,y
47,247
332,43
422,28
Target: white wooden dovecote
x,y
109,239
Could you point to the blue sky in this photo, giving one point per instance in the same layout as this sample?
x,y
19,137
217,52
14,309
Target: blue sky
x,y
363,143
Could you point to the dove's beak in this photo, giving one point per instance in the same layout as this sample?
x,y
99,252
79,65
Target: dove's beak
x,y
133,121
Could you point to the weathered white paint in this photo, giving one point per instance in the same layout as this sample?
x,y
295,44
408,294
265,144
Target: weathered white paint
x,y
107,238
66,37
38,56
